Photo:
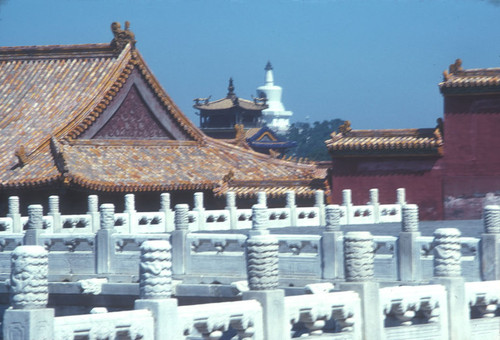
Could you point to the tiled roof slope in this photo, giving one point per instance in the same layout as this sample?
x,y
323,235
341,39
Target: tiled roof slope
x,y
456,79
176,165
51,95
384,142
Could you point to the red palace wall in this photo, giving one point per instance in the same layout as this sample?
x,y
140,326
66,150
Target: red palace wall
x,y
456,186
420,177
472,155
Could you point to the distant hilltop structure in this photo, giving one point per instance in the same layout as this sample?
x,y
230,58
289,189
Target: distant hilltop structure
x,y
275,116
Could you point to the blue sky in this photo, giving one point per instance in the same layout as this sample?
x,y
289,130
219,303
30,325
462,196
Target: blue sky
x,y
376,63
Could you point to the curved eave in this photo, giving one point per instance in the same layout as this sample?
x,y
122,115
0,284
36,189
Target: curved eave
x,y
137,187
31,183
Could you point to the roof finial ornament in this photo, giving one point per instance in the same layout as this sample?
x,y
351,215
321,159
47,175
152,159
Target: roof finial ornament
x,y
230,88
122,37
345,128
457,66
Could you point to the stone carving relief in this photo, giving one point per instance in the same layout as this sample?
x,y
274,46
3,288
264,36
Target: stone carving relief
x,y
359,252
262,262
155,270
447,252
28,280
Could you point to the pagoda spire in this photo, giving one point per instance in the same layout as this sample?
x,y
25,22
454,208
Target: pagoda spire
x,y
269,74
230,89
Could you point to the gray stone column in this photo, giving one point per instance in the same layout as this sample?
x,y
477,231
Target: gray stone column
x,y
28,318
178,239
447,272
35,225
347,203
290,204
169,214
93,211
263,277
319,202
17,227
133,224
155,287
409,264
332,245
105,246
374,202
359,252
231,207
55,213
490,243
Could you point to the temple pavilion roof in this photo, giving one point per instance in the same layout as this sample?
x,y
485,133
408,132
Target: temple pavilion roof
x,y
229,102
70,115
398,142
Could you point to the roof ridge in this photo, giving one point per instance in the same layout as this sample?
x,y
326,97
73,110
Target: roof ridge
x,y
77,51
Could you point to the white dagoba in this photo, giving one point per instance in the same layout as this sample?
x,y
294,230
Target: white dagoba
x,y
275,116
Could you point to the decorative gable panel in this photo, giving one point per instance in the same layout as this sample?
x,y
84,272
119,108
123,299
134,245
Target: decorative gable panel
x,y
133,120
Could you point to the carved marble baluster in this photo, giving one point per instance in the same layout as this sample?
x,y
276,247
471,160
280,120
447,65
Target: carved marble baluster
x,y
28,278
492,219
155,270
447,253
359,256
262,262
409,218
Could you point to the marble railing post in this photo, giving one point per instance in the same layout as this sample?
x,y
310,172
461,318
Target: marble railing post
x,y
410,266
490,243
133,224
200,209
290,204
332,245
347,203
359,254
104,245
374,202
447,272
55,213
178,239
401,196
262,198
231,207
35,225
93,211
262,251
165,208
155,288
29,318
319,202
14,213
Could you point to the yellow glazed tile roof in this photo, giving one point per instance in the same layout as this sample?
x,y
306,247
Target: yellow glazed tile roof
x,y
457,78
385,142
51,95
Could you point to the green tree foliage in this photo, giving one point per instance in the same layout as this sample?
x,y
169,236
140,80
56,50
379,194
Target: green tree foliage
x,y
311,139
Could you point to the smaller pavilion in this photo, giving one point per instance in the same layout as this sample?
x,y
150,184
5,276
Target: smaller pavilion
x,y
218,118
